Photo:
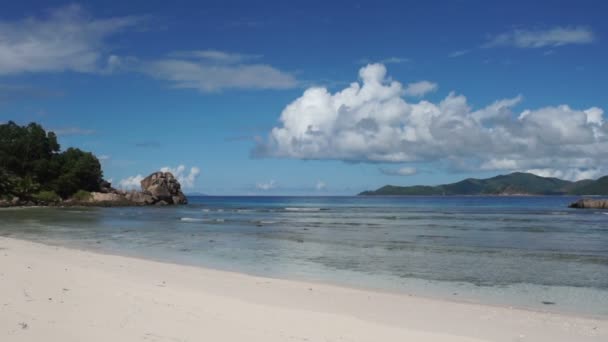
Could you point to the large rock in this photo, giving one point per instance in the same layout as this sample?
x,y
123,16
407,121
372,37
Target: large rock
x,y
588,203
139,198
100,197
159,188
163,187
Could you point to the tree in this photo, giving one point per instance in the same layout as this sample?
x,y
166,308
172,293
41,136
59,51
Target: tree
x,y
30,161
78,171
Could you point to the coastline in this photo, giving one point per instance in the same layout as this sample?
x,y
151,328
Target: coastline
x,y
57,293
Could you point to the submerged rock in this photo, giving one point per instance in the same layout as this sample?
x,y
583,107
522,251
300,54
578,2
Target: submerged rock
x,y
588,203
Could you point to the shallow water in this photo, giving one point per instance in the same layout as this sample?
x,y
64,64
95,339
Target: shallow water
x,y
530,252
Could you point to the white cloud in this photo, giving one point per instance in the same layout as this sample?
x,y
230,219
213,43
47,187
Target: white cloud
x,y
184,177
69,39
216,56
404,171
569,174
133,182
265,186
370,121
212,70
103,157
320,185
556,36
66,39
420,89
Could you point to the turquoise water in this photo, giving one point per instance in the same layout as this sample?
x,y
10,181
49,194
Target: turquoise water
x,y
530,252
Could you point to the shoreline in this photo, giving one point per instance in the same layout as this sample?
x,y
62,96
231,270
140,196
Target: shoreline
x,y
563,299
104,288
417,293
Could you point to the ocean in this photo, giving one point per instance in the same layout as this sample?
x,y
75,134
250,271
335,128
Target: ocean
x,y
525,252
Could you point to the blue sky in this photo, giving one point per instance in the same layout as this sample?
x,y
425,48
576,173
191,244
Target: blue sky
x,y
258,96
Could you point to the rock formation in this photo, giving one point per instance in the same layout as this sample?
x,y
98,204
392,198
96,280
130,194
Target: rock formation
x,y
589,203
163,187
159,188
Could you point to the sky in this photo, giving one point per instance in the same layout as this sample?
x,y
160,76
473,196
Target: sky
x,y
313,98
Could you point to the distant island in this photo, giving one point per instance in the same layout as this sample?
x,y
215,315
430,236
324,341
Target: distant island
x,y
34,171
517,183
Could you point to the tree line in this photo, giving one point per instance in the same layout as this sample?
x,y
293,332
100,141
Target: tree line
x,y
33,167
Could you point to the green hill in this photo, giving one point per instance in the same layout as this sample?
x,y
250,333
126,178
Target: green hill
x,y
517,183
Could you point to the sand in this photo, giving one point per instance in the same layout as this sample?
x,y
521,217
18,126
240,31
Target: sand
x,y
51,293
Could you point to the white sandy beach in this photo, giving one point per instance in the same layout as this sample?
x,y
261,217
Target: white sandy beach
x,y
57,294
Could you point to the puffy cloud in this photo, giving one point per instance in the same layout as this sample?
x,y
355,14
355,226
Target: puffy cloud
x,y
184,177
370,121
569,174
556,36
420,89
133,182
404,171
212,70
265,186
66,39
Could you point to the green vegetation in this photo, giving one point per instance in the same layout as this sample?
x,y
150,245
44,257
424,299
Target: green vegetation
x,y
33,168
81,196
46,197
517,183
597,187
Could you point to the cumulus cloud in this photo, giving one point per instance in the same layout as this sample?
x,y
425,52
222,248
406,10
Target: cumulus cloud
x,y
370,121
420,89
184,177
265,186
66,39
569,174
133,182
556,36
404,171
212,70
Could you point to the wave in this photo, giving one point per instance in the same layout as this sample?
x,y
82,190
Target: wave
x,y
191,219
195,219
262,222
303,209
